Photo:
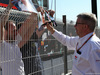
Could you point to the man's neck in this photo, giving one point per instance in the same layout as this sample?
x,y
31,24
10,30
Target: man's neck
x,y
85,34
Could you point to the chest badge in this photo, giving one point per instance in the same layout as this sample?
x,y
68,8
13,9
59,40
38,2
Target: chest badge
x,y
75,57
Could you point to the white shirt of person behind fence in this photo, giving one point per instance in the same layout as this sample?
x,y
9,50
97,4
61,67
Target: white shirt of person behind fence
x,y
11,58
88,62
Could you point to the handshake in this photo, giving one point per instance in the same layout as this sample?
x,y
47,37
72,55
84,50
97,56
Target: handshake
x,y
49,19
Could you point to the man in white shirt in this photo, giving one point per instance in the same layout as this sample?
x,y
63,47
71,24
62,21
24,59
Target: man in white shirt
x,y
11,40
86,45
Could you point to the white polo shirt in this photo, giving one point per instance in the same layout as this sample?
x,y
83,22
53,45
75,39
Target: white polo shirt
x,y
88,62
11,58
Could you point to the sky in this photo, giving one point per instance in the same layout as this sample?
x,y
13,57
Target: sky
x,y
71,8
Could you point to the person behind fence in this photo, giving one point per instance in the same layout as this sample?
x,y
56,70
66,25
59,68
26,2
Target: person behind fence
x,y
86,44
11,40
33,64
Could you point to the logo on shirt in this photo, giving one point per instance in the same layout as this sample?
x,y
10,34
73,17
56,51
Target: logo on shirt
x,y
75,57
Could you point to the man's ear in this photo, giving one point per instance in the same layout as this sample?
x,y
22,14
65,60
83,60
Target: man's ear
x,y
86,26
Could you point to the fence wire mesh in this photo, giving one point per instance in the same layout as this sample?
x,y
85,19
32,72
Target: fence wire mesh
x,y
26,53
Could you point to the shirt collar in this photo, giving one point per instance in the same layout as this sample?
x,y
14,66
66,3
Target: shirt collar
x,y
84,38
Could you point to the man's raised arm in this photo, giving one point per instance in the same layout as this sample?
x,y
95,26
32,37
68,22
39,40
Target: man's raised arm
x,y
3,19
27,28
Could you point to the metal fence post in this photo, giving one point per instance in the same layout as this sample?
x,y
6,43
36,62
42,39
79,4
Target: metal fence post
x,y
65,48
94,7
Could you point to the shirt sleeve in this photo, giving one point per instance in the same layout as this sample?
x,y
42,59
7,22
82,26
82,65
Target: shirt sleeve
x,y
0,54
1,44
94,60
70,42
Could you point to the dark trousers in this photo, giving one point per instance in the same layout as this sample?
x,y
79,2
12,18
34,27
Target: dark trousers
x,y
32,64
